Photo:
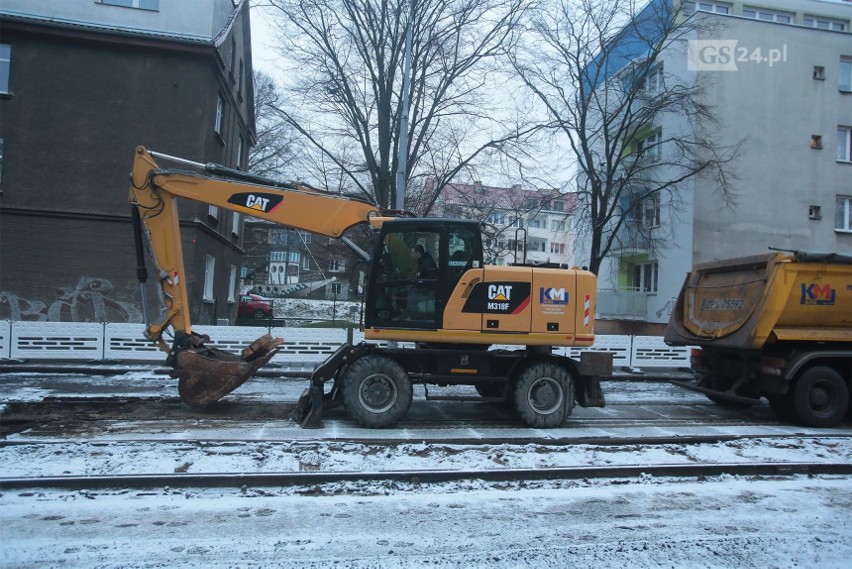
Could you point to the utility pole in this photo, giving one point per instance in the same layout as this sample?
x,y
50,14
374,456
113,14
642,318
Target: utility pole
x,y
399,203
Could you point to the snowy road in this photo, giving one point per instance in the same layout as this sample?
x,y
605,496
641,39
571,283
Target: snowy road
x,y
723,521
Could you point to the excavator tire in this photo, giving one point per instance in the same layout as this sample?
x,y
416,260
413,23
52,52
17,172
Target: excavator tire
x,y
377,391
544,395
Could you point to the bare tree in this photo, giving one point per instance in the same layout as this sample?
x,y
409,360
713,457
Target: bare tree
x,y
596,67
346,84
274,152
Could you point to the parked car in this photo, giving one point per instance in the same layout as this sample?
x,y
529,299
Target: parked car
x,y
254,306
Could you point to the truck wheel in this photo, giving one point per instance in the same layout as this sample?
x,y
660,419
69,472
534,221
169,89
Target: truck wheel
x,y
820,397
782,404
377,391
544,395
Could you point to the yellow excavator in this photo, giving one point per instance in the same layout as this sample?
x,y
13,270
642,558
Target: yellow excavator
x,y
427,285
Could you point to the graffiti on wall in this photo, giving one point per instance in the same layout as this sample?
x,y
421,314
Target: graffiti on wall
x,y
89,301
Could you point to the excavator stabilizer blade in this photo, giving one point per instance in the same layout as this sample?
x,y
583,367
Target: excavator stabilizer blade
x,y
208,374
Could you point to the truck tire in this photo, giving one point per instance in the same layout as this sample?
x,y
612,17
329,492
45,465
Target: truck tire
x,y
820,397
782,404
377,391
544,395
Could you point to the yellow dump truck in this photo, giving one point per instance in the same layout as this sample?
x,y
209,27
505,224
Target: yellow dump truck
x,y
777,326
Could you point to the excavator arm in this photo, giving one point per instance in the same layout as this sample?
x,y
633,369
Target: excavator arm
x,y
207,374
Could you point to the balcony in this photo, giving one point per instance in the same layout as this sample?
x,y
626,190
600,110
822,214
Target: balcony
x,y
633,238
622,304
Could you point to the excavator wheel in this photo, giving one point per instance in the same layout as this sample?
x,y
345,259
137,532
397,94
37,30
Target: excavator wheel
x,y
377,391
544,395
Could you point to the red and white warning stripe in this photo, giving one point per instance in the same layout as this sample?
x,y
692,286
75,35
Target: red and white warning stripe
x,y
587,309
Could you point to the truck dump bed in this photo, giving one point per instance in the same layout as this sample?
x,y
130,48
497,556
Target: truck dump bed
x,y
749,301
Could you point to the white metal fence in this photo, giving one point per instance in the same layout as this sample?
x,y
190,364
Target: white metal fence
x,y
37,341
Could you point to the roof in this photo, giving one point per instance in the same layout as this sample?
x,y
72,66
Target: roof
x,y
77,25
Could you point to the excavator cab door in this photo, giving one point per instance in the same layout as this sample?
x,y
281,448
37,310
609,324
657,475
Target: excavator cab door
x,y
416,264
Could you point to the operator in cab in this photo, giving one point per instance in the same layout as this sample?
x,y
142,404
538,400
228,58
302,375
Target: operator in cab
x,y
426,266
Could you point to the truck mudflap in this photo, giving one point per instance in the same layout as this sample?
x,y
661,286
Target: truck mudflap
x,y
206,374
729,396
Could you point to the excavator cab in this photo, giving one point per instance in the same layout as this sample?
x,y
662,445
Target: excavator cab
x,y
416,265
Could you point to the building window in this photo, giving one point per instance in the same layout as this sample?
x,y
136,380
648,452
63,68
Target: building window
x,y
278,236
845,80
209,271
557,248
713,7
5,66
233,56
645,277
220,115
844,144
496,218
650,148
843,214
337,289
235,224
652,84
819,72
232,285
306,263
336,266
768,15
213,213
814,212
824,23
538,222
140,4
648,211
240,82
241,149
277,256
557,225
816,142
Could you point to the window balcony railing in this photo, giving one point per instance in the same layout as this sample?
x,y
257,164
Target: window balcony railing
x,y
622,304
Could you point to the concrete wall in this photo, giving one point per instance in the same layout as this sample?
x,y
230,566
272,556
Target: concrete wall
x,y
775,110
80,102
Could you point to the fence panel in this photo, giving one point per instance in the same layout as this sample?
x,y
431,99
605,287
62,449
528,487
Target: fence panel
x,y
58,340
652,351
308,344
5,339
127,342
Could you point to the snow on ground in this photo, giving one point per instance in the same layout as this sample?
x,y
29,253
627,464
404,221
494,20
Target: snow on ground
x,y
723,521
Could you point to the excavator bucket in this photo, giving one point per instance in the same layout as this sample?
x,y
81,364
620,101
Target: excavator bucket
x,y
207,374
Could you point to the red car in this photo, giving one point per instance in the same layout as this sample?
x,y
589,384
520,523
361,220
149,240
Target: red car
x,y
254,306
